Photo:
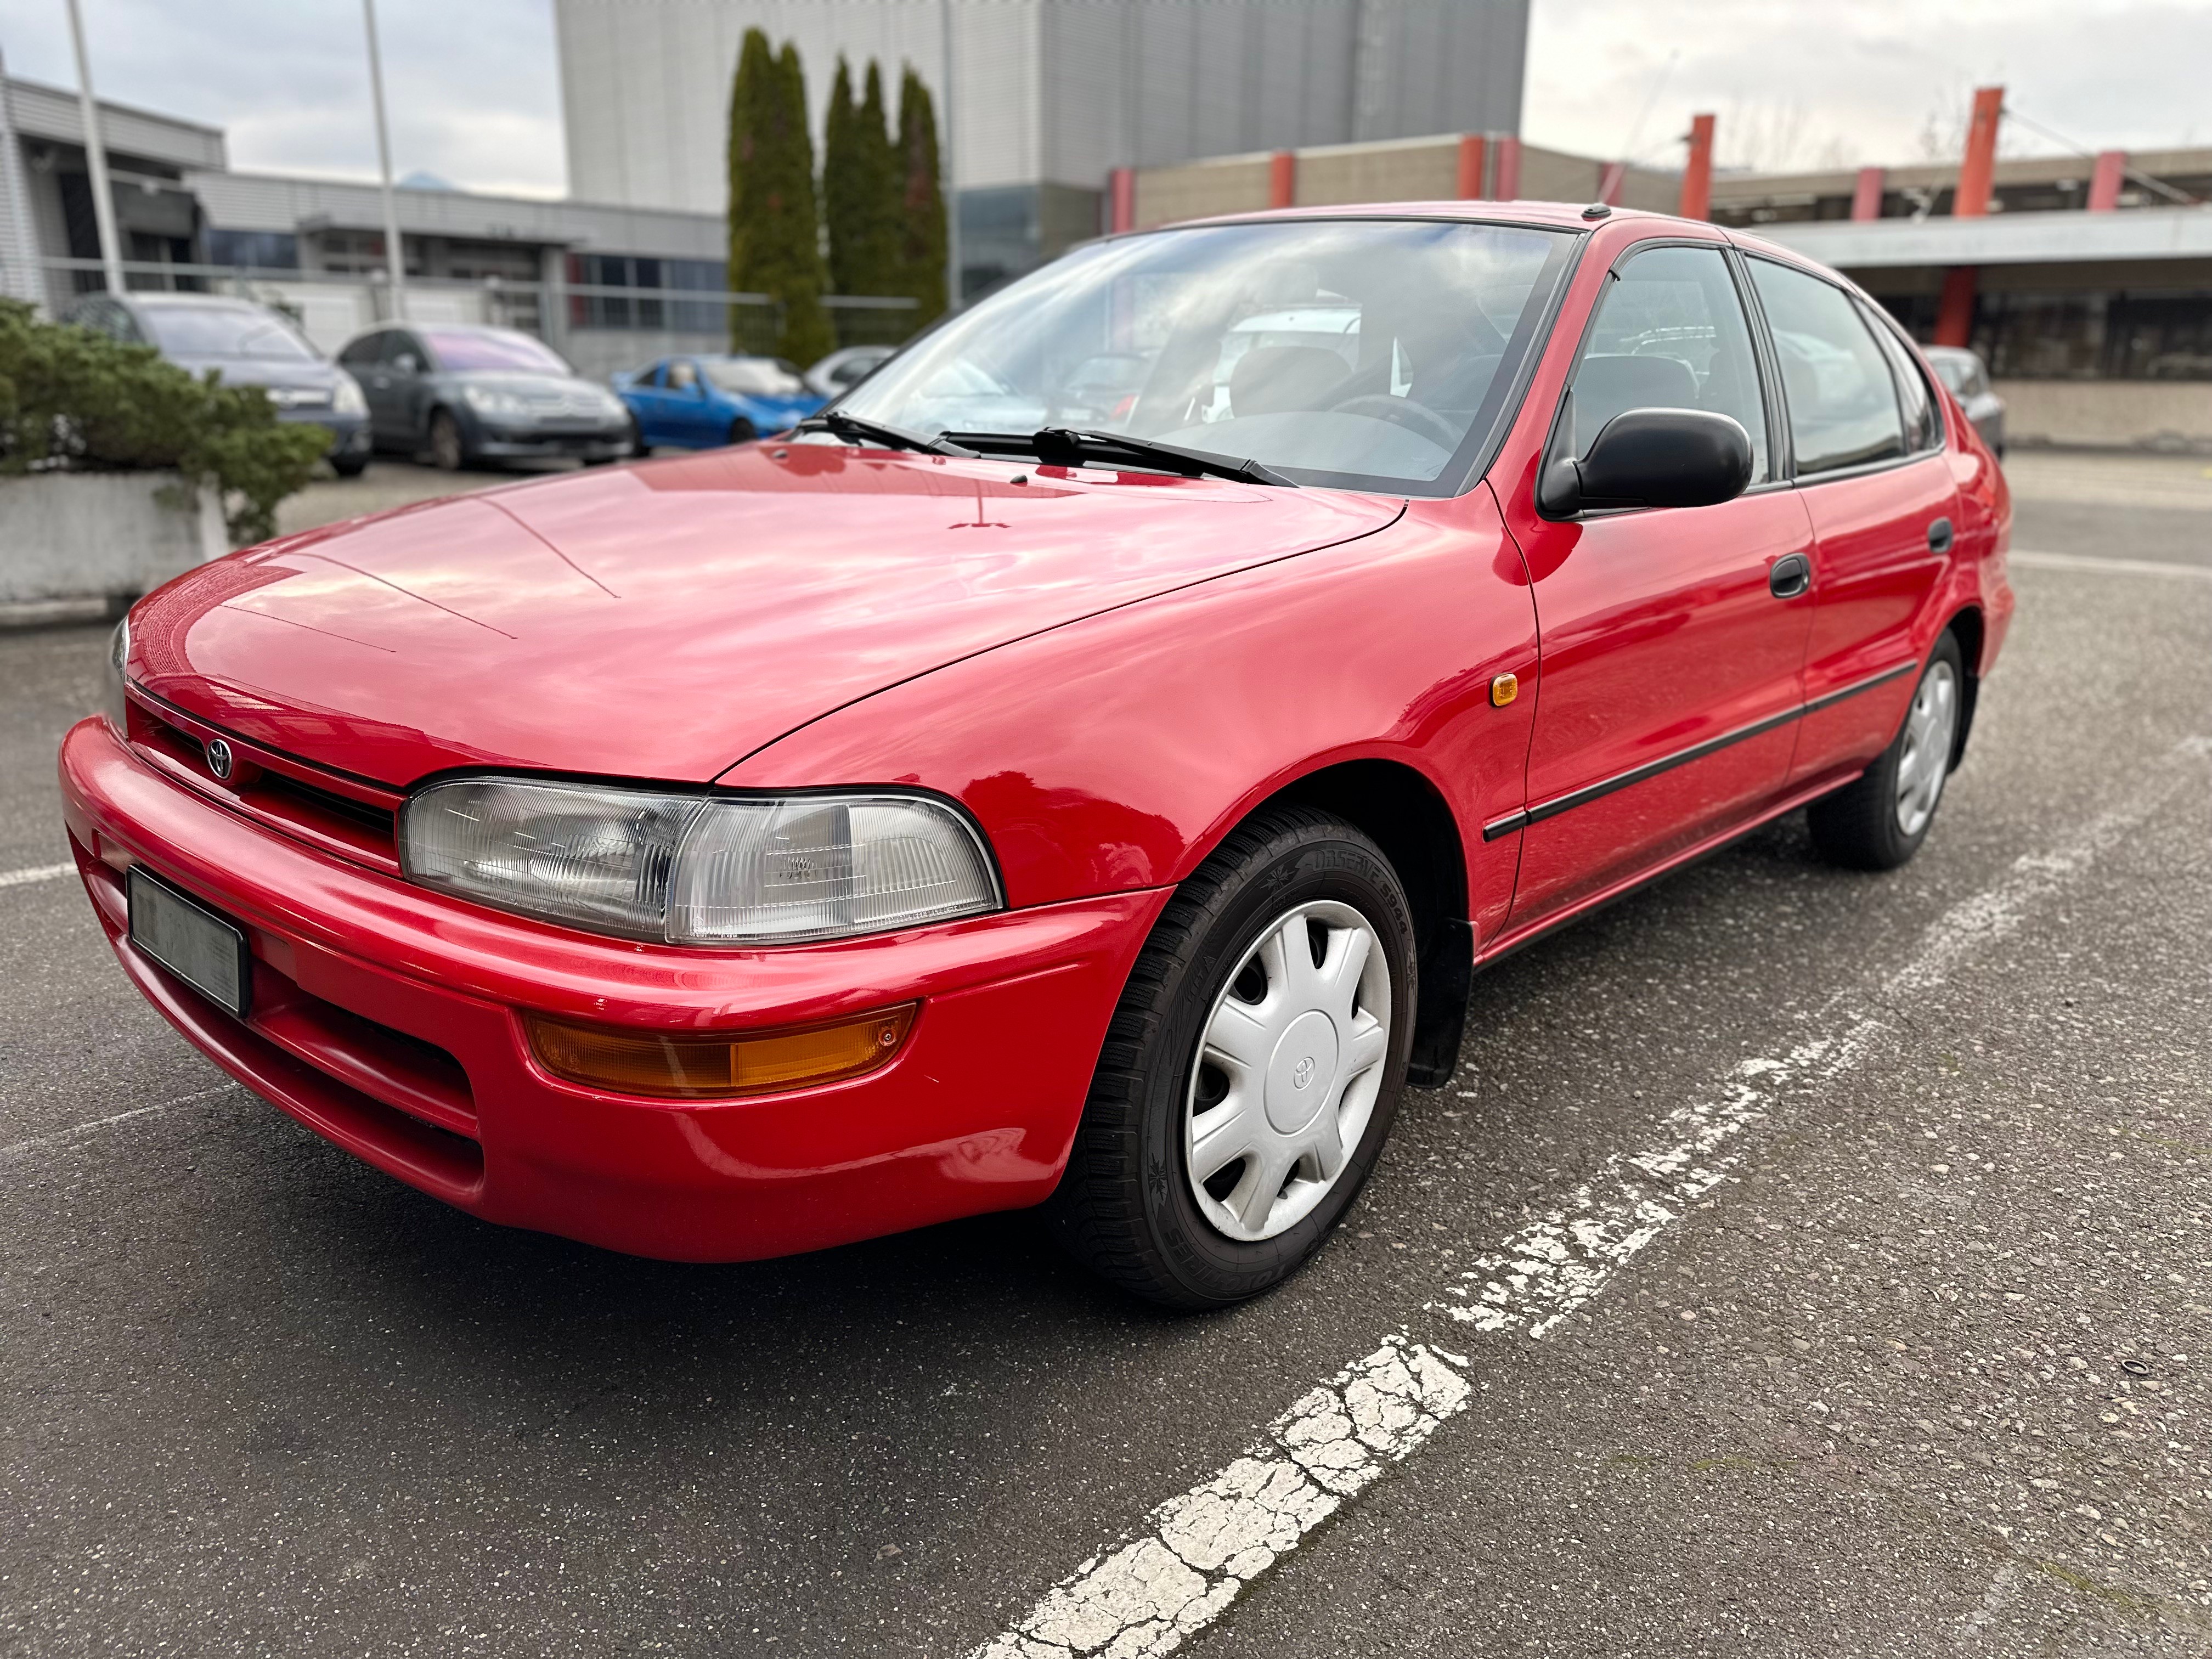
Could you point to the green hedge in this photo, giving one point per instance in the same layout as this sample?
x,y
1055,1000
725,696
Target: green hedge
x,y
70,397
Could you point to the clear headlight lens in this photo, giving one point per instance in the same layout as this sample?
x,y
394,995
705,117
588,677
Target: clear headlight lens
x,y
698,870
345,396
485,400
113,703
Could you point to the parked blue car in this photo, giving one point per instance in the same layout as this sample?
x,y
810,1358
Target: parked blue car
x,y
699,403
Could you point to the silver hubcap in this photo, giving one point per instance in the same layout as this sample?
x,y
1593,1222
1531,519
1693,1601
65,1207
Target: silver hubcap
x,y
1929,727
1289,1067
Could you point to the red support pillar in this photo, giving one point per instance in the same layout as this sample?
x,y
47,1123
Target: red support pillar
x,y
1865,194
1698,177
1506,181
1471,154
2105,180
1977,171
1282,179
1122,188
1955,315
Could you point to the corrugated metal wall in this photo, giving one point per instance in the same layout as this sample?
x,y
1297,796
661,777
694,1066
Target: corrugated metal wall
x,y
1048,90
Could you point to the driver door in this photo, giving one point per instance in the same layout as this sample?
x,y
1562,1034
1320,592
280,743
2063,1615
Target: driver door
x,y
1671,651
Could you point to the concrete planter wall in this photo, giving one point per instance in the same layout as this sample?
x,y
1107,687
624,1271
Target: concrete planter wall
x,y
93,537
2175,416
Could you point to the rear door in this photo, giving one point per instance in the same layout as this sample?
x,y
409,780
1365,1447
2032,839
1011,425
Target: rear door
x,y
1670,675
647,403
1871,471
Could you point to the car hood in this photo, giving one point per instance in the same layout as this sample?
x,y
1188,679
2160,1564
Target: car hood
x,y
665,620
262,371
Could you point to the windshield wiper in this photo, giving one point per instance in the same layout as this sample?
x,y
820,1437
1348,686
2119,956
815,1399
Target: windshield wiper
x,y
1059,445
855,428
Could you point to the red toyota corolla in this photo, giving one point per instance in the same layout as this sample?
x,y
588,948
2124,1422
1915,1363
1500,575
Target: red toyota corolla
x,y
1084,767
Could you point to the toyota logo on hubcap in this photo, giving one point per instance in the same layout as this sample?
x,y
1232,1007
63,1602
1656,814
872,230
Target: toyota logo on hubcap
x,y
219,759
1302,1073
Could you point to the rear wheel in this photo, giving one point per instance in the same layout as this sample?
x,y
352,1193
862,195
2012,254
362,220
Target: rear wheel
x,y
1252,1068
743,431
349,466
1878,821
448,451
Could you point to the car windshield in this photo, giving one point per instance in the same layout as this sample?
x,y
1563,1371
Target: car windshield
x,y
220,331
754,377
463,349
1372,353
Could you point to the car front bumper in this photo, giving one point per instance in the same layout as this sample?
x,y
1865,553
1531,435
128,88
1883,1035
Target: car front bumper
x,y
388,1019
348,433
513,443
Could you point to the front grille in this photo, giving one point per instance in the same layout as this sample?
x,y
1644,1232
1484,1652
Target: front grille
x,y
286,793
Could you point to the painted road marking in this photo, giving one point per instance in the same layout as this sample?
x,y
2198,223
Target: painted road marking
x,y
1197,1552
2202,573
64,1137
36,872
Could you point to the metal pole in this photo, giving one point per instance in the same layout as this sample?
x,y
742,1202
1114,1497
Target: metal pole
x,y
952,170
95,154
395,255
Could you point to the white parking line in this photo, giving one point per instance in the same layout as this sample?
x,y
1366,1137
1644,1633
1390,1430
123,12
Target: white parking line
x,y
2032,561
64,1137
36,872
1197,1551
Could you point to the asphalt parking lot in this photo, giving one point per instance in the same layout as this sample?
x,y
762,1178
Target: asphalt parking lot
x,y
1799,1262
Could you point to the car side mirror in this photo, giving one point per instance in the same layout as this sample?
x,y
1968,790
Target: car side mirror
x,y
1652,457
405,363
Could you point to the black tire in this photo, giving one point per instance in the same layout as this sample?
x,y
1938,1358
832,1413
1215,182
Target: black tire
x,y
449,447
743,431
1124,1207
1858,827
350,466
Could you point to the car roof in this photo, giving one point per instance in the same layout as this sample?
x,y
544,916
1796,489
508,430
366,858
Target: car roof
x,y
192,302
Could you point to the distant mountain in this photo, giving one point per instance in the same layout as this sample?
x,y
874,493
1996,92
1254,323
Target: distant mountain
x,y
420,180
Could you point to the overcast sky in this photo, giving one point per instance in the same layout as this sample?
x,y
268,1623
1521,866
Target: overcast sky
x,y
475,95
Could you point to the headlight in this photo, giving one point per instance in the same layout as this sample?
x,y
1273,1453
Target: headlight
x,y
346,398
112,702
485,400
697,869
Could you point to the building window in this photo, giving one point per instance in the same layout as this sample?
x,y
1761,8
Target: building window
x,y
654,311
253,250
2106,334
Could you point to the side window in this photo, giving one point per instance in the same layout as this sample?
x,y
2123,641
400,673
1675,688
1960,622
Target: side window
x,y
362,353
1842,399
649,375
1923,427
399,343
1670,334
682,377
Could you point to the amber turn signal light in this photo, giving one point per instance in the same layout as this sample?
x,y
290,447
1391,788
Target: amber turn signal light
x,y
685,1066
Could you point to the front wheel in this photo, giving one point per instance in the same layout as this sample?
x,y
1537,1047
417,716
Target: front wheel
x,y
448,452
743,431
1878,821
1252,1068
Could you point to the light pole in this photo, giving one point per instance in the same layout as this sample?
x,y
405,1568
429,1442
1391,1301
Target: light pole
x,y
96,155
395,256
951,170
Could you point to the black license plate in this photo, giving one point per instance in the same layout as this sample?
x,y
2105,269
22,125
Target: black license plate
x,y
206,951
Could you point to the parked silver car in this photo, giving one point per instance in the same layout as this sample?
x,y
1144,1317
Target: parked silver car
x,y
1968,377
465,394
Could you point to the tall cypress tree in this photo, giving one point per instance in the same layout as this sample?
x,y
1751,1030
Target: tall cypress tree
x,y
860,189
921,239
774,241
844,189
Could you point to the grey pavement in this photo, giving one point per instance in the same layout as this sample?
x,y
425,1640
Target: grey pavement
x,y
1944,1390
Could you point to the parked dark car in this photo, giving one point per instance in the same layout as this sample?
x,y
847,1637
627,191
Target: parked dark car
x,y
463,394
246,345
1968,379
704,402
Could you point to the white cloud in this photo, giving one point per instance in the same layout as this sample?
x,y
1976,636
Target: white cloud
x,y
1860,82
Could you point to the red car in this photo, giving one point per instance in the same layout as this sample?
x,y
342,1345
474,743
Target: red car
x,y
992,794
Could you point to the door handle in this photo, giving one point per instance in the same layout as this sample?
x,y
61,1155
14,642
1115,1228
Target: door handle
x,y
1789,575
1939,536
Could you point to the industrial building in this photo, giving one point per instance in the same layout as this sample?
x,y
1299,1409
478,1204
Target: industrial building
x,y
1046,97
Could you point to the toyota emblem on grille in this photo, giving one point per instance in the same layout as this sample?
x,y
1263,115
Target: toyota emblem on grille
x,y
219,757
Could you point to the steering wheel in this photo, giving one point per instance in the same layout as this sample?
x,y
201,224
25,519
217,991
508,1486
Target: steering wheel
x,y
1403,412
